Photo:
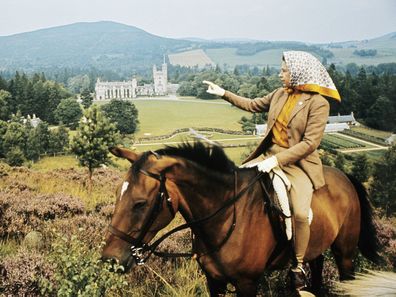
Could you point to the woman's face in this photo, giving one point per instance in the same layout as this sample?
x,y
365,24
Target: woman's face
x,y
284,75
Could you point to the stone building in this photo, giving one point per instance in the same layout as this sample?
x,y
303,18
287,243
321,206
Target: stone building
x,y
130,89
115,89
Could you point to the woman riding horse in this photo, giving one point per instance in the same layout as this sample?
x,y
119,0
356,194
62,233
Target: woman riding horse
x,y
297,116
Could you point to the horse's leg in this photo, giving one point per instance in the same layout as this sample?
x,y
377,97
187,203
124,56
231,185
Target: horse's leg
x,y
316,266
216,287
345,245
246,288
344,261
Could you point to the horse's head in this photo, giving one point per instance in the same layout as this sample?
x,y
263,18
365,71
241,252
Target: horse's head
x,y
146,202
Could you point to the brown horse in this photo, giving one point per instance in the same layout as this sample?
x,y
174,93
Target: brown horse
x,y
235,240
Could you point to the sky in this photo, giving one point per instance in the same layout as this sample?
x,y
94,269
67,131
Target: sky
x,y
290,20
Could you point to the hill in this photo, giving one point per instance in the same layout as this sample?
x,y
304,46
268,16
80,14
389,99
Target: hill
x,y
113,46
105,45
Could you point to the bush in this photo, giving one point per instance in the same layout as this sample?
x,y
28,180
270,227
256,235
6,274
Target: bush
x,y
23,211
21,273
91,227
15,157
78,271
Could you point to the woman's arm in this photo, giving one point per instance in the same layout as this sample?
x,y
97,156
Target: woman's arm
x,y
252,105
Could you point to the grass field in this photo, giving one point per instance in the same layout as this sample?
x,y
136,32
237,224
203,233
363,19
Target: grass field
x,y
191,59
228,56
163,117
372,132
346,56
337,141
272,57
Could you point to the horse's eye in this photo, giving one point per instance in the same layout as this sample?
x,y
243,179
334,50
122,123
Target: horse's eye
x,y
140,204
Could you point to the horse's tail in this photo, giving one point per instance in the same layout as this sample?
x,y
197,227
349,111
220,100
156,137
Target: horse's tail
x,y
371,283
368,244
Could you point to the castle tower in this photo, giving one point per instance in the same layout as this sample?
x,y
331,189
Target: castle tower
x,y
160,79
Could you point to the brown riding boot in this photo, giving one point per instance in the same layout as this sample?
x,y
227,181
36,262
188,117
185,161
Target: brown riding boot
x,y
298,278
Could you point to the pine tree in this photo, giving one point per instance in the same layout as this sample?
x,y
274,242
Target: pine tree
x,y
95,134
59,140
361,168
86,98
339,161
43,134
33,145
5,110
383,187
3,130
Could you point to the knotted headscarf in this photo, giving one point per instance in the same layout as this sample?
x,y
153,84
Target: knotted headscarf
x,y
308,74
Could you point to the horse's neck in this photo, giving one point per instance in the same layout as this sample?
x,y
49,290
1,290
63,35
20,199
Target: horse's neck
x,y
207,195
204,192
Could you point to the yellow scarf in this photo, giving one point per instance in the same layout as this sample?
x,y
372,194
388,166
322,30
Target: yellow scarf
x,y
279,131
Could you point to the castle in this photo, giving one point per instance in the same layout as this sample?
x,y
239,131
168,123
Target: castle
x,y
131,89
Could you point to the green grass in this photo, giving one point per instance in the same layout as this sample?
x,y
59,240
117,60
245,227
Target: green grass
x,y
339,142
372,132
163,117
344,56
52,163
228,56
372,155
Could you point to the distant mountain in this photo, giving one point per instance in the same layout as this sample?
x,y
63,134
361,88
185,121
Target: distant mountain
x,y
109,45
101,44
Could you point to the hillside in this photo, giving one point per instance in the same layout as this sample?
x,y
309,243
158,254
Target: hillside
x,y
109,45
105,45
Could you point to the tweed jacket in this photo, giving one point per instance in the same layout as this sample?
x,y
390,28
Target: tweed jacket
x,y
305,129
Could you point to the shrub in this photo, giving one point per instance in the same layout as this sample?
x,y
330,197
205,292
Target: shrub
x,y
15,157
92,228
21,273
78,271
23,211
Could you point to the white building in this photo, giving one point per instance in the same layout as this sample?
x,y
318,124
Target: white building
x,y
349,119
391,139
160,80
130,89
334,125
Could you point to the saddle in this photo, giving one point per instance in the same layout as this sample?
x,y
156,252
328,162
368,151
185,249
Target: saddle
x,y
281,199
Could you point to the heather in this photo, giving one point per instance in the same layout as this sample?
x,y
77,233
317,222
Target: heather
x,y
72,223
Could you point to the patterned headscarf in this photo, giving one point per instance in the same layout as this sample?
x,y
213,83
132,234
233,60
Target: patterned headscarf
x,y
308,74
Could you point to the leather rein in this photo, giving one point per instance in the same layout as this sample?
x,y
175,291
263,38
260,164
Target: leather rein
x,y
139,248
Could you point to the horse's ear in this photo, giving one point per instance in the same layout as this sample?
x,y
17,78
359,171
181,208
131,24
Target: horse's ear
x,y
124,153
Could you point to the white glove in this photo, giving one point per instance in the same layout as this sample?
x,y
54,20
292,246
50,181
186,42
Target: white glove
x,y
214,89
265,166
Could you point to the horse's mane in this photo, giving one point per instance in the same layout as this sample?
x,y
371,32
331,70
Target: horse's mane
x,y
212,158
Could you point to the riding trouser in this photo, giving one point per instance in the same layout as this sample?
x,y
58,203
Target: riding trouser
x,y
301,196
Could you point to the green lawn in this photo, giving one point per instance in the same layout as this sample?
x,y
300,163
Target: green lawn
x,y
337,141
228,56
372,132
163,117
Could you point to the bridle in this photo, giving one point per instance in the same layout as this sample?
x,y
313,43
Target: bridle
x,y
139,248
